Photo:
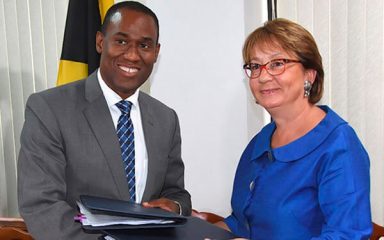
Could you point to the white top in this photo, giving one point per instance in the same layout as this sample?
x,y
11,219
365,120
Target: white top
x,y
141,156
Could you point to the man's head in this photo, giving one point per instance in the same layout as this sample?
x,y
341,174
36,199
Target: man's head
x,y
131,5
128,44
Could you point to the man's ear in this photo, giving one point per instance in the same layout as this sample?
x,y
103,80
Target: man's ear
x,y
157,51
99,41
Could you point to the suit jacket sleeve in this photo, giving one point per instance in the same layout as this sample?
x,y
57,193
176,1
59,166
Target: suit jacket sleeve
x,y
42,176
174,179
165,166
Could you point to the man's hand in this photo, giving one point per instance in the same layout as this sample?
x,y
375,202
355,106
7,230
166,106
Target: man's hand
x,y
163,203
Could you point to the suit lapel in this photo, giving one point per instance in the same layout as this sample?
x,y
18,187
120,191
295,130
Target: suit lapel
x,y
100,121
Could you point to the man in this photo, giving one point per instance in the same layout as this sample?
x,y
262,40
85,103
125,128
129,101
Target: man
x,y
69,144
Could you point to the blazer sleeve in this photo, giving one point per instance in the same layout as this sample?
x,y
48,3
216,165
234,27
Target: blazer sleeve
x,y
344,190
42,176
174,179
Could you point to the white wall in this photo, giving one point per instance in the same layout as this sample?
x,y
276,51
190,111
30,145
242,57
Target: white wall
x,y
199,74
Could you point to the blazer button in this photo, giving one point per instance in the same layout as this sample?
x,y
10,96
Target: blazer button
x,y
251,185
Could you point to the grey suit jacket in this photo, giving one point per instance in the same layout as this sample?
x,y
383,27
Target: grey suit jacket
x,y
69,147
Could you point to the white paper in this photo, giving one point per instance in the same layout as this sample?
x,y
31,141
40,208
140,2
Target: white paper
x,y
109,238
97,220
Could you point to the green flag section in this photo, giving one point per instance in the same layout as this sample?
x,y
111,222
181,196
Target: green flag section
x,y
78,56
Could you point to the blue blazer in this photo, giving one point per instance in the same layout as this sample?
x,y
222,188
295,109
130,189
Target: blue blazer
x,y
316,187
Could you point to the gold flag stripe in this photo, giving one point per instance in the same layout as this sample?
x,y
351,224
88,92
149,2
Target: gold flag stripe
x,y
104,5
70,71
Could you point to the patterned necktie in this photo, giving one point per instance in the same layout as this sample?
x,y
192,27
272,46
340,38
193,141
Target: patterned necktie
x,y
127,145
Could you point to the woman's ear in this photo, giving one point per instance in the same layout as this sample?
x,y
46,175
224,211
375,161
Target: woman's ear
x,y
310,75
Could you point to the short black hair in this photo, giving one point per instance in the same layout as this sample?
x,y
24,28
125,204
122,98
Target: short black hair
x,y
130,5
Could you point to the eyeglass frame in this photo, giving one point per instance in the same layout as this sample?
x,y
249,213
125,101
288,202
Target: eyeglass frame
x,y
248,66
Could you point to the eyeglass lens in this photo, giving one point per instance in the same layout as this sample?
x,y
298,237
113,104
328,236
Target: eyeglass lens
x,y
274,67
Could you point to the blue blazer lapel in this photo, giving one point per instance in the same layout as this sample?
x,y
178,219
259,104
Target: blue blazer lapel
x,y
100,121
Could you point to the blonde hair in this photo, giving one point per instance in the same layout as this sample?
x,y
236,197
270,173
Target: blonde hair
x,y
294,39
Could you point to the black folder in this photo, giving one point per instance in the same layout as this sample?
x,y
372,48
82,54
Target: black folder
x,y
106,206
194,229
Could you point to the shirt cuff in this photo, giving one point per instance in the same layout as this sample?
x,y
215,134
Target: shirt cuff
x,y
180,209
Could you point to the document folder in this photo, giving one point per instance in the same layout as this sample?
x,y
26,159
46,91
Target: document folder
x,y
194,229
100,207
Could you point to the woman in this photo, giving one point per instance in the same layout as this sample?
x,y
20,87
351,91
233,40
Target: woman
x,y
306,174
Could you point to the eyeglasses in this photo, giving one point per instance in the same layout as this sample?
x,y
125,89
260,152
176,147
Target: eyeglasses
x,y
273,67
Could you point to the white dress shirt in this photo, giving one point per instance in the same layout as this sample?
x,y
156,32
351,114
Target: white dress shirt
x,y
141,156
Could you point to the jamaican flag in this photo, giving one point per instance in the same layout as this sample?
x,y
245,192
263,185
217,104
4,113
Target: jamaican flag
x,y
78,56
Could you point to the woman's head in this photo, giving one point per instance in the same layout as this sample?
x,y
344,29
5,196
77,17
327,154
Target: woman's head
x,y
295,40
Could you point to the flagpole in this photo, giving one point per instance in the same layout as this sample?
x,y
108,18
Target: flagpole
x,y
272,9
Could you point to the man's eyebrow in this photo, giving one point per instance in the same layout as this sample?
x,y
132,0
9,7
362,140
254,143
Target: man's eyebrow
x,y
148,39
121,34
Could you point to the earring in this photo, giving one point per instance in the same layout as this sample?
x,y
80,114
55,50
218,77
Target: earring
x,y
307,88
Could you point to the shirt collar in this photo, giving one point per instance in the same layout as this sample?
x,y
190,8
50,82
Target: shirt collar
x,y
300,147
112,97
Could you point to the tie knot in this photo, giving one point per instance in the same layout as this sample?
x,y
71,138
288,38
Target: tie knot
x,y
124,106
